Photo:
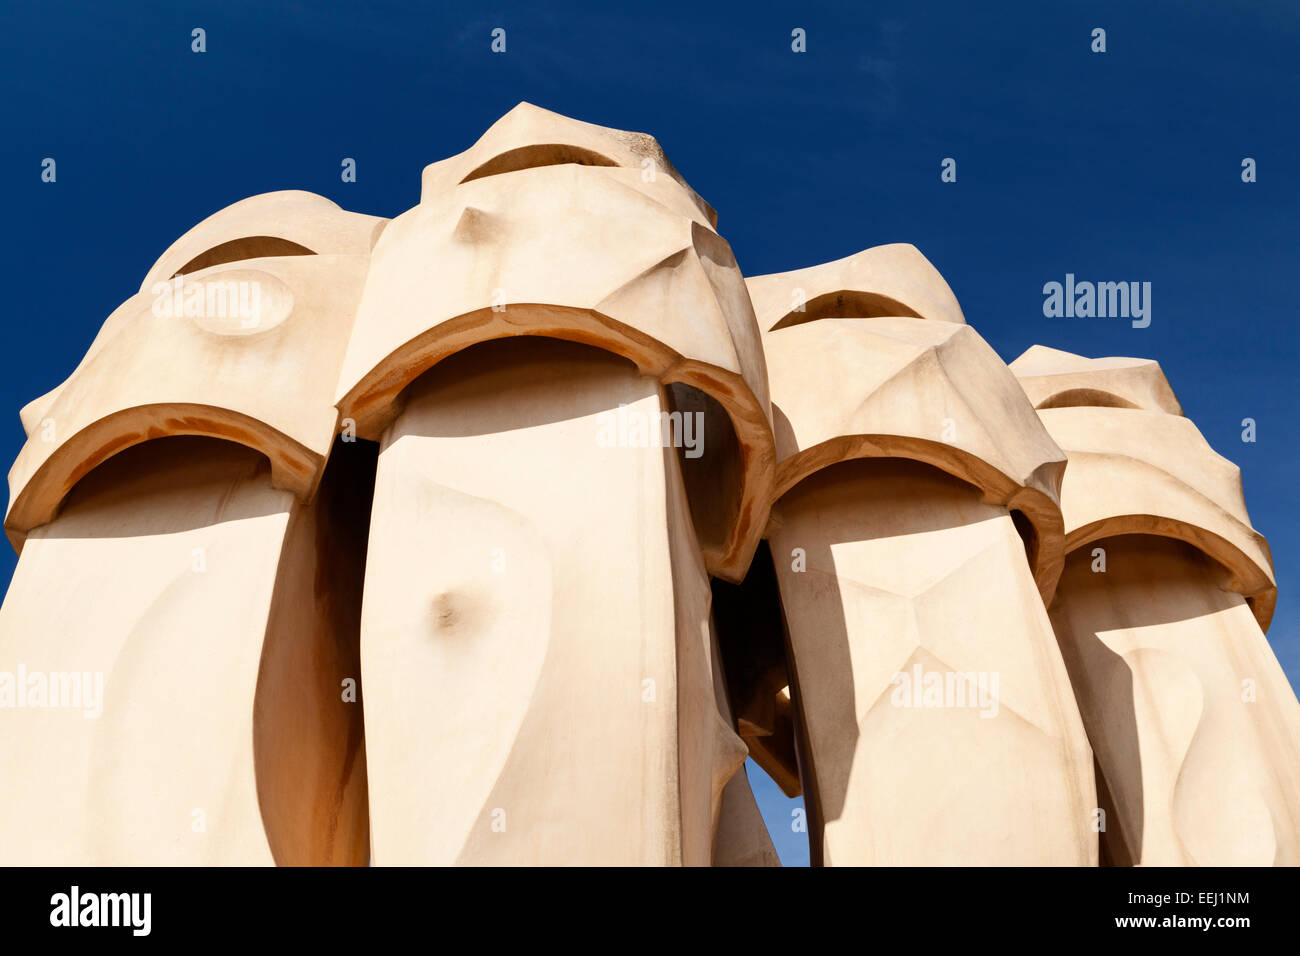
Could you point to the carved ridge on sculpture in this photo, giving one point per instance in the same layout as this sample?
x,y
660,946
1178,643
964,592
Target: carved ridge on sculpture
x,y
294,467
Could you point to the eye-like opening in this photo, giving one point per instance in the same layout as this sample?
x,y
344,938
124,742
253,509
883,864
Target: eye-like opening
x,y
846,304
1085,398
237,250
532,157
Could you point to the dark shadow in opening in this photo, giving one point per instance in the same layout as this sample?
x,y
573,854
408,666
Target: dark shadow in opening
x,y
1085,398
752,645
532,157
237,250
308,731
846,304
714,477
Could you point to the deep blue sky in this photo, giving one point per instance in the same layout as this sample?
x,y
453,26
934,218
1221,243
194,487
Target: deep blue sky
x,y
1116,166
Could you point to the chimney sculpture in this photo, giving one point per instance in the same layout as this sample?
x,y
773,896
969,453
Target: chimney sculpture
x,y
536,638
1160,614
937,721
204,583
